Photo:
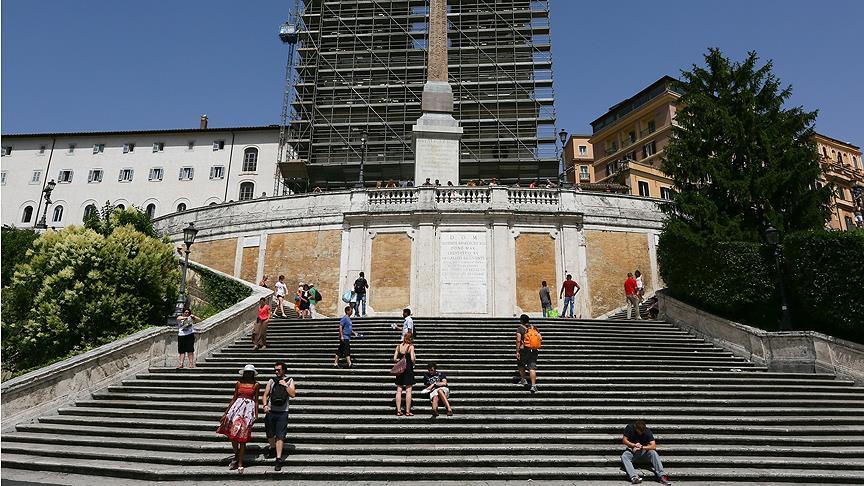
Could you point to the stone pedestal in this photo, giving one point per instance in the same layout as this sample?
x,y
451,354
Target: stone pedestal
x,y
436,137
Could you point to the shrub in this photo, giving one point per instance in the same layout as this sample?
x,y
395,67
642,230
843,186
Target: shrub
x,y
219,292
81,289
16,242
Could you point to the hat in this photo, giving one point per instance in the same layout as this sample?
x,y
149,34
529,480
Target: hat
x,y
249,367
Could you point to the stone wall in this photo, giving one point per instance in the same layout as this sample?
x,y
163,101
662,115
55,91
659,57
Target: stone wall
x,y
535,262
308,257
249,265
216,254
390,277
611,254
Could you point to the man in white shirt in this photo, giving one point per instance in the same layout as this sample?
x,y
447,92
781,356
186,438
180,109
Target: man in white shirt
x,y
281,291
407,324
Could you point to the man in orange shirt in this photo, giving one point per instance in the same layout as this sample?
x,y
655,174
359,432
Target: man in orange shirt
x,y
632,300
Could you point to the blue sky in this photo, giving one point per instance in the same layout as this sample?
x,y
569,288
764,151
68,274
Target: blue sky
x,y
115,65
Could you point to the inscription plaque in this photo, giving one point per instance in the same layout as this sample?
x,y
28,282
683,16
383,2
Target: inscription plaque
x,y
463,272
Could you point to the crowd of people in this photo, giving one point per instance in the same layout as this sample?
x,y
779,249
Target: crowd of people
x,y
305,298
634,294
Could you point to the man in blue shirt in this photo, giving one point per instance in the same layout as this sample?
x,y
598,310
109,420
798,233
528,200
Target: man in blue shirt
x,y
344,337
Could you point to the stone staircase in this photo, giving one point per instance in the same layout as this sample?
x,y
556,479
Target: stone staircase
x,y
717,418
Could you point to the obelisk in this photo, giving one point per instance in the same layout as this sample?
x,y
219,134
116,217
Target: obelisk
x,y
437,133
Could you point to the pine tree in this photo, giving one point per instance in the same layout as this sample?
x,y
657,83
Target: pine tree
x,y
740,160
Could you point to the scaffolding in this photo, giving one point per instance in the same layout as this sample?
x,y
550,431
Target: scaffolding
x,y
361,67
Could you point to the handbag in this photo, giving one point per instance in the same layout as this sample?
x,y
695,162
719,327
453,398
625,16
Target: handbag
x,y
399,367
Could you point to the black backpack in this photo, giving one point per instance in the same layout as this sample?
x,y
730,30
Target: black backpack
x,y
317,296
278,394
359,286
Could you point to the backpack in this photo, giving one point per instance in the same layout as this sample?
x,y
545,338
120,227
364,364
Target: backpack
x,y
532,339
317,295
359,287
278,394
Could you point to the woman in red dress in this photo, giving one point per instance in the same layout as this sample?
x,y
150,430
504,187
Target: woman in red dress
x,y
242,412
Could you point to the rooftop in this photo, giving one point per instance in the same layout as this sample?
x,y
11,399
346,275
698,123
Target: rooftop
x,y
621,109
153,131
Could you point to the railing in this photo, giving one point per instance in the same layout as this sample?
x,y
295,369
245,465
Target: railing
x,y
392,196
534,196
463,195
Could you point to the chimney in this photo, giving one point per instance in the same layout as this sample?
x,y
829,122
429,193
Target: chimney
x,y
203,122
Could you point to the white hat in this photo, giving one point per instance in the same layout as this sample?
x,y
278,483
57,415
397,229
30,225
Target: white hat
x,y
249,367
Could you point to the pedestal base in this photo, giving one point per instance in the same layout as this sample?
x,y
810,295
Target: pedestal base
x,y
436,149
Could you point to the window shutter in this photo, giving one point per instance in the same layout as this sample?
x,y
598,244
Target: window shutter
x,y
155,147
125,148
95,149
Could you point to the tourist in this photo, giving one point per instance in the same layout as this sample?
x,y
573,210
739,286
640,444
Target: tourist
x,y
437,183
360,286
391,184
569,289
314,298
305,302
493,182
297,300
186,337
471,183
641,446
378,184
449,183
632,300
482,183
528,342
345,328
242,412
405,379
545,299
281,292
317,190
407,323
279,390
259,332
640,287
437,388
264,282
428,182
533,185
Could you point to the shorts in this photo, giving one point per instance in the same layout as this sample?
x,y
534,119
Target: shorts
x,y
186,344
344,349
276,425
434,393
528,359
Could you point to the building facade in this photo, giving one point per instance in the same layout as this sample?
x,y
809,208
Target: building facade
x,y
629,139
579,159
159,171
361,69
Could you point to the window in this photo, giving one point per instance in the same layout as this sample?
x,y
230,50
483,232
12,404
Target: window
x,y
825,151
609,169
250,159
190,145
839,157
186,173
217,172
126,175
156,174
71,149
7,150
841,193
651,126
158,146
584,176
151,210
181,207
3,177
849,223
666,193
583,150
644,191
57,216
42,149
121,207
631,136
649,149
36,178
27,215
128,147
94,176
65,176
98,148
89,210
855,162
247,191
218,145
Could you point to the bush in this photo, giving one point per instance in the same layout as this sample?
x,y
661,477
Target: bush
x,y
826,282
219,292
80,290
16,242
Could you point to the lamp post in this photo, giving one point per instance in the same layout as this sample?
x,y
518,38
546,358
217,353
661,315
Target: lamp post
x,y
43,224
189,234
772,236
364,139
562,135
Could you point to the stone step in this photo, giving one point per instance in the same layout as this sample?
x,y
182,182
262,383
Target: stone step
x,y
166,472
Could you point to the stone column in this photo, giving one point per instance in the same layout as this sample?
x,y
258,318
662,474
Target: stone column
x,y
425,286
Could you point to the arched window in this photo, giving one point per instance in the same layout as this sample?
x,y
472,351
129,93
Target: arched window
x,y
58,214
28,214
89,210
250,159
151,210
247,190
121,207
181,207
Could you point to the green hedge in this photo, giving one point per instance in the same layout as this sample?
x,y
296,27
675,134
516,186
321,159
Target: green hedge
x,y
822,273
219,292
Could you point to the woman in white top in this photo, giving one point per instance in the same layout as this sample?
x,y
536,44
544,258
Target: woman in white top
x,y
281,291
186,337
640,287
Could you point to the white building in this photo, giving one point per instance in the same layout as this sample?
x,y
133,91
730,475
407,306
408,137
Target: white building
x,y
160,171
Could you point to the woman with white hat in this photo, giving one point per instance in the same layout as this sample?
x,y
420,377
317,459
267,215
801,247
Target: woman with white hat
x,y
242,412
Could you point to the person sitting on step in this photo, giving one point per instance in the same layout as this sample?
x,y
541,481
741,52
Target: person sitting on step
x,y
641,446
437,388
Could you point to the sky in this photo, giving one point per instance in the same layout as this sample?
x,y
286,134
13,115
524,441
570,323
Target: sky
x,y
118,65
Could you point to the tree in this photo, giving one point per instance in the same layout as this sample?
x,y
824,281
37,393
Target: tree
x,y
110,217
740,160
16,242
81,289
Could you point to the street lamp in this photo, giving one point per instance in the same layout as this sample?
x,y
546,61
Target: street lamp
x,y
43,224
562,135
364,139
189,234
772,237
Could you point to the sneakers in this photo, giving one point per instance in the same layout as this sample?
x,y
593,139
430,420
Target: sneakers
x,y
533,388
523,382
665,480
635,480
279,462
